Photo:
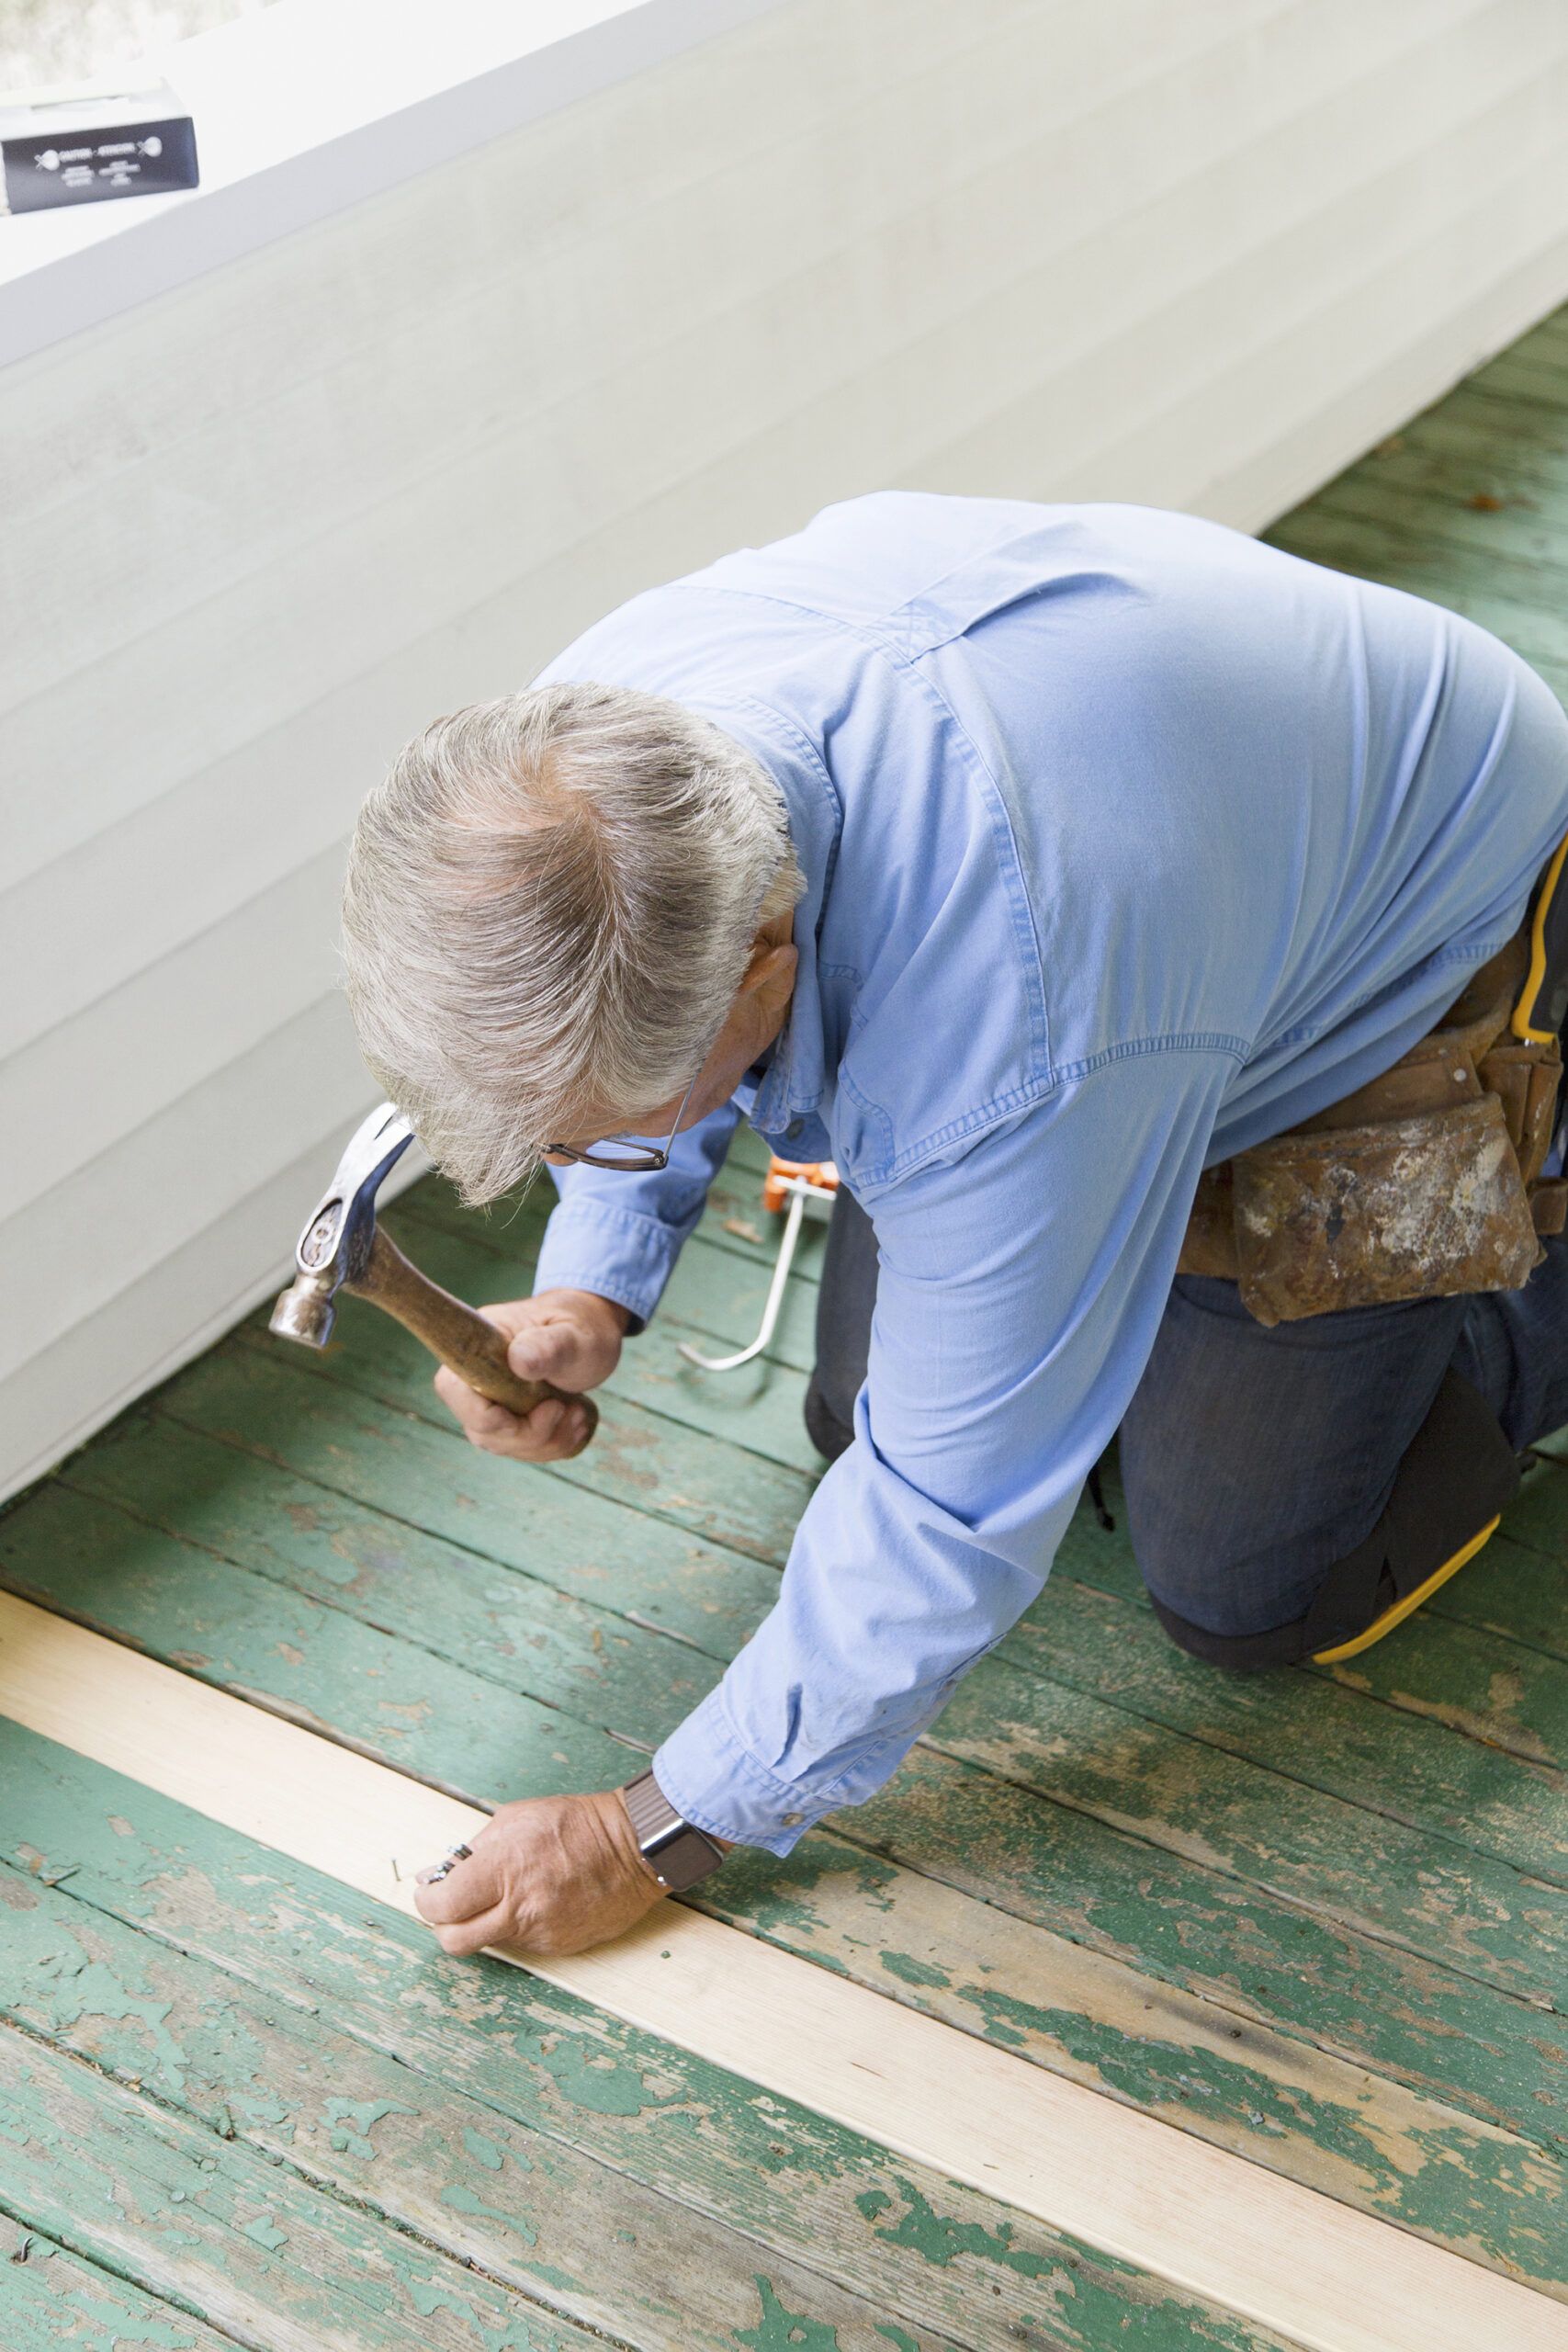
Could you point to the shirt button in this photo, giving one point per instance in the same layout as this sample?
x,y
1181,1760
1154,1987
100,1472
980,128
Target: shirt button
x,y
791,1819
794,1127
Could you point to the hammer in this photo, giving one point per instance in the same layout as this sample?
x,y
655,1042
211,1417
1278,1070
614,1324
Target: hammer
x,y
343,1248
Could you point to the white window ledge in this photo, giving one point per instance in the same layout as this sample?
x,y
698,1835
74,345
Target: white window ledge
x,y
310,106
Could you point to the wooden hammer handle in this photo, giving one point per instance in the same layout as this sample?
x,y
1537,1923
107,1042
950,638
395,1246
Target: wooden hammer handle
x,y
465,1342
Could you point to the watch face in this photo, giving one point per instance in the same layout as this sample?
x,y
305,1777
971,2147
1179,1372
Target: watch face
x,y
678,1854
683,1858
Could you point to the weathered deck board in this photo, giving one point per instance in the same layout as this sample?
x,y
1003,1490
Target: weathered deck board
x,y
187,2213
1318,2119
798,2185
523,2209
53,2302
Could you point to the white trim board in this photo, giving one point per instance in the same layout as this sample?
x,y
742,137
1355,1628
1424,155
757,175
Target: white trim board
x,y
1284,2256
299,114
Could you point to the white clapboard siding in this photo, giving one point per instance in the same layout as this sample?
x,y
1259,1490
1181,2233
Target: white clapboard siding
x,y
388,464
485,384
457,383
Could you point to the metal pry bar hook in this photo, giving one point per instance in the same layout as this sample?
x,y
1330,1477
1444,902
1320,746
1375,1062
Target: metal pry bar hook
x,y
800,1192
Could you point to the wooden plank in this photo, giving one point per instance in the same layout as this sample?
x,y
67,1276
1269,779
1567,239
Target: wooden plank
x,y
1199,2062
185,2213
1478,2190
1205,2220
1315,1729
1227,1942
1516,527
520,2207
670,1441
1314,2110
1366,1871
593,1534
52,2301
581,2079
1357,1868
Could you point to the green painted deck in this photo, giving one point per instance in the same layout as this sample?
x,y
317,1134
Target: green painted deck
x,y
1318,1917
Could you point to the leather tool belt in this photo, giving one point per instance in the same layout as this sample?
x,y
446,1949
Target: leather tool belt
x,y
1424,1182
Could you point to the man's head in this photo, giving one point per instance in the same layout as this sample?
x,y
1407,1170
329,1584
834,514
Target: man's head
x,y
559,905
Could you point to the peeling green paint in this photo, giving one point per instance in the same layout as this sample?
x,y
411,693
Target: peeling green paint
x,y
486,2152
936,2239
350,2122
910,1971
601,2085
463,2201
779,2330
1458,2184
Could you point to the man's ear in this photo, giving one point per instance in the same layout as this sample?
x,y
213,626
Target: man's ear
x,y
770,975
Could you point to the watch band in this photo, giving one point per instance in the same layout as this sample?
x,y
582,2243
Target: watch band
x,y
677,1853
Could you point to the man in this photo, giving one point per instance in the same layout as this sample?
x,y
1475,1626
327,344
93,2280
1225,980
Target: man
x,y
1026,862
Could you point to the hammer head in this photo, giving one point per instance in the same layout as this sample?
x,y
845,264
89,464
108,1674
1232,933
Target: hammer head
x,y
336,1245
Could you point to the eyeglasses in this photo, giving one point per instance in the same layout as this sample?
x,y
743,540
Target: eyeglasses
x,y
636,1158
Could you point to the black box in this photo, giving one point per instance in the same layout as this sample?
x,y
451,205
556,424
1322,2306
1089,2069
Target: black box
x,y
81,146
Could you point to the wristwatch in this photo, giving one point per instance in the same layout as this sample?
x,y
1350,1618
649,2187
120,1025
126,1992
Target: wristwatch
x,y
677,1853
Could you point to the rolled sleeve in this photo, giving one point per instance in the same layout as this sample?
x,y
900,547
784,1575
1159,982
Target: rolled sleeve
x,y
589,1246
619,1234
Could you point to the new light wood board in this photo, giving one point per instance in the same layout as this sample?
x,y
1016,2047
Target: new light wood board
x,y
1285,2256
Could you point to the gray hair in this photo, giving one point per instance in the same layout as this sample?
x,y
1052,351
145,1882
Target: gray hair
x,y
551,900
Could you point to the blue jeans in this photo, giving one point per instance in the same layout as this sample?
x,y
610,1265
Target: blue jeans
x,y
1254,1460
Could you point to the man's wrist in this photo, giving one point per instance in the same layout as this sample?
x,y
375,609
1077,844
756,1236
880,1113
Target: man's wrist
x,y
611,1308
676,1852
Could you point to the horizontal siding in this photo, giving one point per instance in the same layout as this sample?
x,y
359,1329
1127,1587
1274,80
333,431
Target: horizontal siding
x,y
260,529
151,1326
532,385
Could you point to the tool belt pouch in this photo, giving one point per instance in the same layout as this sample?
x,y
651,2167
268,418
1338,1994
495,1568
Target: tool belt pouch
x,y
1424,1183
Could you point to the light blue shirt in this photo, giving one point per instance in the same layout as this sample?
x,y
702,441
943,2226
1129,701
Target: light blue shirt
x,y
1128,842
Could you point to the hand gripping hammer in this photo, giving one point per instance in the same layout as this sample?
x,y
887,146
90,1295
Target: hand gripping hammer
x,y
343,1248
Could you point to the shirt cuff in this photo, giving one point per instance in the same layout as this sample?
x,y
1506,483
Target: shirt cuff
x,y
616,1252
714,1781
